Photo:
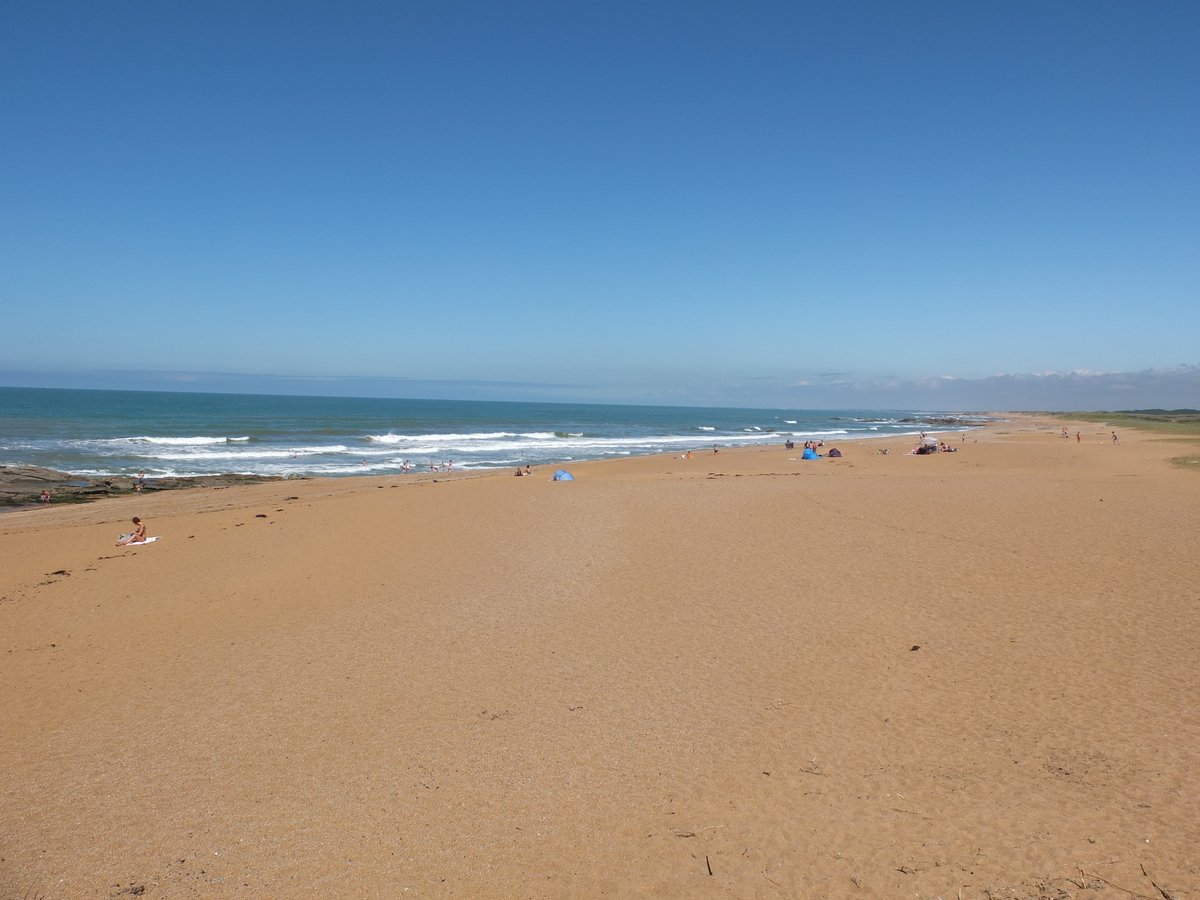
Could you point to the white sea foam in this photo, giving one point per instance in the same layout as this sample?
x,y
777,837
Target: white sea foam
x,y
248,455
170,441
706,427
417,439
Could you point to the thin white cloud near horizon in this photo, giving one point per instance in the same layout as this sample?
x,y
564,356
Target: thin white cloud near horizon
x,y
1156,388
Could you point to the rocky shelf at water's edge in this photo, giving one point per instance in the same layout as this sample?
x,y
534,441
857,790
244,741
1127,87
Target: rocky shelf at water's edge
x,y
23,485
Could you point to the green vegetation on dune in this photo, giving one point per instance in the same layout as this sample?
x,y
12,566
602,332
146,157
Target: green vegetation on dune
x,y
1173,421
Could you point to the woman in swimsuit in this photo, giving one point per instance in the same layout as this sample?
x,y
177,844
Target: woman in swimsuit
x,y
138,535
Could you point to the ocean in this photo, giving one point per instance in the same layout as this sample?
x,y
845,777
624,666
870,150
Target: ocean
x,y
95,433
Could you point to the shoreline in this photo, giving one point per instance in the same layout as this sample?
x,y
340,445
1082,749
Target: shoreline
x,y
182,436
958,675
94,488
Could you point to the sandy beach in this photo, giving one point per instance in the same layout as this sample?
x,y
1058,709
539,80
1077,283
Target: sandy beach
x,y
741,675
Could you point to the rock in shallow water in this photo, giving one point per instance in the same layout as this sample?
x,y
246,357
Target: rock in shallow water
x,y
23,485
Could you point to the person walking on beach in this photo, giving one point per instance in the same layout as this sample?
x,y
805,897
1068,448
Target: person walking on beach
x,y
1114,434
136,536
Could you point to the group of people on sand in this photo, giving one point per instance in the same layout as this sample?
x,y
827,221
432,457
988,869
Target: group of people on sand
x,y
528,471
812,449
1079,436
927,447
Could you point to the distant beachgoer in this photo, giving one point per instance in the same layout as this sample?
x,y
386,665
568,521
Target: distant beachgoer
x,y
714,449
404,467
364,462
518,472
922,435
433,467
1114,434
136,536
528,471
44,498
1078,438
450,465
884,452
1064,433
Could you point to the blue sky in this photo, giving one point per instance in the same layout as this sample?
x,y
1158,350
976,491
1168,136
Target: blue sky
x,y
685,202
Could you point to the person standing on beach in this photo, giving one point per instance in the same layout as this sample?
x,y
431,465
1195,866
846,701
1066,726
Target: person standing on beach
x,y
45,498
1078,438
1114,434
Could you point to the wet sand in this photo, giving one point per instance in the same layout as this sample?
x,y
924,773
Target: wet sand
x,y
742,675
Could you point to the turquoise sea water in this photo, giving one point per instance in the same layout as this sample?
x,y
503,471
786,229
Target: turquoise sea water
x,y
164,434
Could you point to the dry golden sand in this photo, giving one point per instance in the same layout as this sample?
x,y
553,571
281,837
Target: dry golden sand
x,y
502,687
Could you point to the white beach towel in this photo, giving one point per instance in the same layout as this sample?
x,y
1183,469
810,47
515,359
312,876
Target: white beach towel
x,y
149,540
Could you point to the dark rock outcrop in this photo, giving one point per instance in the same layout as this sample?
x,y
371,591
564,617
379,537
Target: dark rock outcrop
x,y
23,485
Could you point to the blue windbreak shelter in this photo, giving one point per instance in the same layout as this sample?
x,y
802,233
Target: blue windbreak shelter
x,y
562,475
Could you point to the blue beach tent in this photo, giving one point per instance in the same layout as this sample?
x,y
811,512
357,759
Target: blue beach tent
x,y
563,475
810,453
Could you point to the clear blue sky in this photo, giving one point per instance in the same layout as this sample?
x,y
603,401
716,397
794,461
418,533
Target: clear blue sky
x,y
648,200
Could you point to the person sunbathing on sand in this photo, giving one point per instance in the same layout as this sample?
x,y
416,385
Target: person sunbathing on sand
x,y
138,535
